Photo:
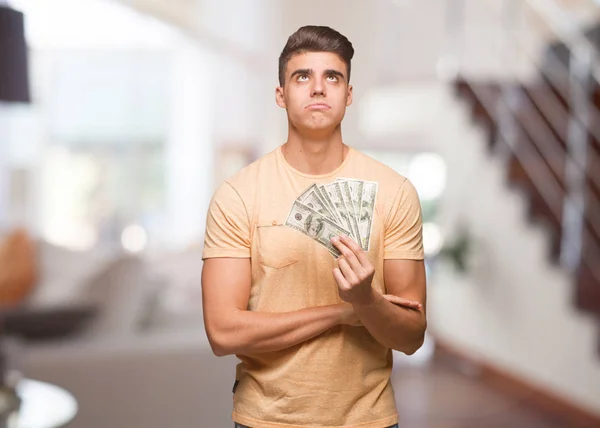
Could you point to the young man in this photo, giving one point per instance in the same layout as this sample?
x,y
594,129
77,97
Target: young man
x,y
313,332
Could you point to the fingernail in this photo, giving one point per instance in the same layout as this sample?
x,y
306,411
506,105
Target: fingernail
x,y
334,239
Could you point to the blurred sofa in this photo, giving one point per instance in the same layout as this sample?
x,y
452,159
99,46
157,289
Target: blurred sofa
x,y
143,358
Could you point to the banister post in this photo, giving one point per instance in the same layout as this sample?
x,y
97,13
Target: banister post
x,y
574,204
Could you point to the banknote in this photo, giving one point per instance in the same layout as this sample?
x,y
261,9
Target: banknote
x,y
352,212
364,209
314,225
312,198
334,192
328,201
367,208
356,190
347,204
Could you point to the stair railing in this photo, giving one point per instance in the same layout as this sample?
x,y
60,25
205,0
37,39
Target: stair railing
x,y
582,72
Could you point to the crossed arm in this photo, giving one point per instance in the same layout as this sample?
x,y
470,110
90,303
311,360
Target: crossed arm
x,y
396,320
232,329
394,326
398,327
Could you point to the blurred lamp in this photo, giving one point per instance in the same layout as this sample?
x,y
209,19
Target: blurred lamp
x,y
14,82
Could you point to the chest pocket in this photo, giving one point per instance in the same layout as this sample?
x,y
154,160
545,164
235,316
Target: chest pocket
x,y
278,246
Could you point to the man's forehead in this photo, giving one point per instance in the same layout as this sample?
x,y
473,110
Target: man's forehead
x,y
316,61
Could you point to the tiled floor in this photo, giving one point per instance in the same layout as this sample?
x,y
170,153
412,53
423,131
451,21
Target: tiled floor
x,y
441,396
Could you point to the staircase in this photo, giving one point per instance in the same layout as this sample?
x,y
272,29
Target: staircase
x,y
533,126
529,304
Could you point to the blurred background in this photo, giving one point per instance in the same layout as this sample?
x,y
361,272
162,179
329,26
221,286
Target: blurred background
x,y
119,118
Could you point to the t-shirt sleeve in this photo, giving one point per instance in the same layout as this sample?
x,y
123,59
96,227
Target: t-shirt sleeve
x,y
403,226
227,225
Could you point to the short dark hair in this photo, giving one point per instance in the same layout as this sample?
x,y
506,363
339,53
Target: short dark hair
x,y
313,38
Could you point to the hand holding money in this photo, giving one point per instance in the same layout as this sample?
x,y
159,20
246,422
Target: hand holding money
x,y
355,272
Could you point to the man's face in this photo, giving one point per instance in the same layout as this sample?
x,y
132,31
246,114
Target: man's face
x,y
315,92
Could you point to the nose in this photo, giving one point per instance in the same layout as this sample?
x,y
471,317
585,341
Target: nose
x,y
318,88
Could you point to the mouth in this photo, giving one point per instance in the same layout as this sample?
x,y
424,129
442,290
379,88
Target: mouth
x,y
318,106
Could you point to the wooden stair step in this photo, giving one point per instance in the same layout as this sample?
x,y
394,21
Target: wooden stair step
x,y
587,291
482,96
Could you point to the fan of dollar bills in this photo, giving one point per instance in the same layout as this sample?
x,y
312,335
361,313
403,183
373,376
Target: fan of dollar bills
x,y
342,207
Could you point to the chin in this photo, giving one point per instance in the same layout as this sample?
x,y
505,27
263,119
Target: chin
x,y
316,125
320,124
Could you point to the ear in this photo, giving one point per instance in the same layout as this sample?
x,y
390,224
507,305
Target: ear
x,y
349,97
280,97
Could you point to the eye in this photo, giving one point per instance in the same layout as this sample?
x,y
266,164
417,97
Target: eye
x,y
332,78
302,78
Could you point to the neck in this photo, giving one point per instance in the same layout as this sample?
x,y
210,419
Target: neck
x,y
315,155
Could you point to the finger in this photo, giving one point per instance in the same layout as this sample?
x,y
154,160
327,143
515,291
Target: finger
x,y
339,278
347,253
357,250
399,300
402,301
347,271
408,303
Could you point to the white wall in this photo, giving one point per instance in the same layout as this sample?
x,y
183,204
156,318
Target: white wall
x,y
514,310
190,146
3,169
19,143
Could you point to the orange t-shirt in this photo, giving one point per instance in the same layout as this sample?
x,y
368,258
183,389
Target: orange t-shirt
x,y
340,378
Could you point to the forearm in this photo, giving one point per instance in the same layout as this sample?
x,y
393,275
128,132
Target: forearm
x,y
393,326
248,332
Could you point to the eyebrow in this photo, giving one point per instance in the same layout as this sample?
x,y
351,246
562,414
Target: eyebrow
x,y
309,71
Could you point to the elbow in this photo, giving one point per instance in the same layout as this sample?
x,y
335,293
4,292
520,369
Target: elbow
x,y
416,344
223,336
219,344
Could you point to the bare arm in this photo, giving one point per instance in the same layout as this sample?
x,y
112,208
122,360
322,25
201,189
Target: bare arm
x,y
397,327
393,326
232,329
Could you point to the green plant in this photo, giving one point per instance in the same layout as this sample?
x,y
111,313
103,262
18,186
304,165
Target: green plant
x,y
457,251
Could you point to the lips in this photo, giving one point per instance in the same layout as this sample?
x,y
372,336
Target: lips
x,y
318,106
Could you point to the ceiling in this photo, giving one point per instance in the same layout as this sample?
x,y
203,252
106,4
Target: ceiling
x,y
395,40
